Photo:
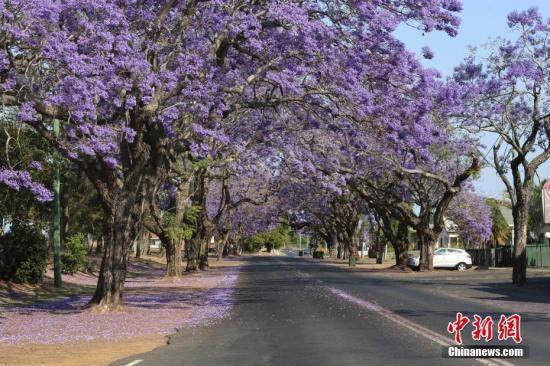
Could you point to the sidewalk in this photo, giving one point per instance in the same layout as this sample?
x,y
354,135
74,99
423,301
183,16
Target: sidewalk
x,y
42,328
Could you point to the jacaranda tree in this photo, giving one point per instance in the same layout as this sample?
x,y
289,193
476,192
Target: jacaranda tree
x,y
509,100
131,82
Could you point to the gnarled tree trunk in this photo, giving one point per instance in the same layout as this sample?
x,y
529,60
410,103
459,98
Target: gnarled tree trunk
x,y
173,258
426,241
193,250
120,231
400,244
520,212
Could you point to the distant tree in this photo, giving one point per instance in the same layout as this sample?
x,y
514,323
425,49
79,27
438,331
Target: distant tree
x,y
536,220
273,239
500,231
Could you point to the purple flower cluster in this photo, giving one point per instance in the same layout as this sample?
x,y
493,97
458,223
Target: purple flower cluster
x,y
17,180
472,216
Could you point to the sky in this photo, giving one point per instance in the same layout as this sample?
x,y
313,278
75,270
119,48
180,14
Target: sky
x,y
482,20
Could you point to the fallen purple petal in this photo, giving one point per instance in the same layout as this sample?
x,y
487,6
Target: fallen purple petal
x,y
152,306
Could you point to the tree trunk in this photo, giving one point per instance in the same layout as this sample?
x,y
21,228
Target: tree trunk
x,y
203,256
400,249
380,257
401,245
100,245
520,212
221,250
353,245
140,242
173,258
123,218
427,243
119,233
138,248
192,255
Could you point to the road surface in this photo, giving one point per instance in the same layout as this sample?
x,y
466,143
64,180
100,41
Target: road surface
x,y
294,311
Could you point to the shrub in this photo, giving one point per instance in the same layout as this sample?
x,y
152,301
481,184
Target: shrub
x,y
272,239
23,254
73,258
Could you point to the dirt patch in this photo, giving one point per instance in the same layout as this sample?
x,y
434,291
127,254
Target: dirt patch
x,y
93,353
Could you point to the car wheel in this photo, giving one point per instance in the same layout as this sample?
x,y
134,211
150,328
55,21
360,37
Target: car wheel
x,y
461,266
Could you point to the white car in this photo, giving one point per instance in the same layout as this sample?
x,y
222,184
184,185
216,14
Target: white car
x,y
447,258
155,246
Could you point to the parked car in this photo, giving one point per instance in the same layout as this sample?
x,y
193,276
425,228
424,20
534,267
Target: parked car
x,y
446,258
155,246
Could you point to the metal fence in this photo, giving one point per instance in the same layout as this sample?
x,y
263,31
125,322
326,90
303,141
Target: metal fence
x,y
538,255
491,257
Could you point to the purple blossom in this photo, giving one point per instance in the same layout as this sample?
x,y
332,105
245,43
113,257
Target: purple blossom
x,y
27,113
17,180
35,165
427,53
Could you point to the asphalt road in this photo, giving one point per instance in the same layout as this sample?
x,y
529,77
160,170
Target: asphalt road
x,y
291,311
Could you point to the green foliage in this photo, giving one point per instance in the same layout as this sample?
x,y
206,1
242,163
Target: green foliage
x,y
500,230
20,146
192,214
23,254
536,219
84,214
253,243
273,239
73,258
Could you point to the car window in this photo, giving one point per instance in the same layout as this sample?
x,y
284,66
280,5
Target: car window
x,y
440,251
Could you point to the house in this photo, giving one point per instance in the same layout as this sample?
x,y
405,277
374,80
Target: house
x,y
449,237
509,218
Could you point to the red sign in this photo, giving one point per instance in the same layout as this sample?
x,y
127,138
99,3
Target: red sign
x,y
508,327
546,202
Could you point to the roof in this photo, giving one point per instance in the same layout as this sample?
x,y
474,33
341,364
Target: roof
x,y
450,225
507,213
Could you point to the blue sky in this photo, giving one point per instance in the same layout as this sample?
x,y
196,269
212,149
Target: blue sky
x,y
481,21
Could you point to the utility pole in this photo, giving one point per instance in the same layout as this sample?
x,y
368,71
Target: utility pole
x,y
56,214
300,241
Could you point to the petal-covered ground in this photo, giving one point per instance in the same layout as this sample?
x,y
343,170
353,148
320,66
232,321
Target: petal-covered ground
x,y
152,306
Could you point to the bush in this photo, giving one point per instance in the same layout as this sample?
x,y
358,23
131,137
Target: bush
x,y
253,243
273,239
23,254
73,258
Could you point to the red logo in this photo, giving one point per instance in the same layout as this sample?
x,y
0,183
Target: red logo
x,y
457,326
508,328
483,328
